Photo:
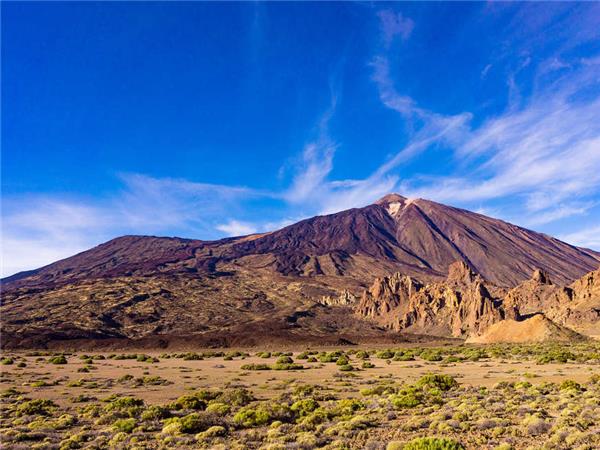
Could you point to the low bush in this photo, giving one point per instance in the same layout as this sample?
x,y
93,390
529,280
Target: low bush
x,y
287,366
155,412
256,367
262,414
441,382
125,425
59,359
408,397
37,407
189,402
431,355
430,443
385,354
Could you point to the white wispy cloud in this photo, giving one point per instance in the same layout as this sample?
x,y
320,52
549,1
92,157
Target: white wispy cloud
x,y
146,203
37,230
544,151
40,230
394,24
589,237
237,228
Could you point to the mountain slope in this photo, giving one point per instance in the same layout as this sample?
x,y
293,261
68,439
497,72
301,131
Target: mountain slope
x,y
415,237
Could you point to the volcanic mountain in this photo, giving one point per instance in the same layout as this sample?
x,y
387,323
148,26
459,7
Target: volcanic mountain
x,y
281,283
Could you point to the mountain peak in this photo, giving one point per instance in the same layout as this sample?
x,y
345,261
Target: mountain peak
x,y
390,198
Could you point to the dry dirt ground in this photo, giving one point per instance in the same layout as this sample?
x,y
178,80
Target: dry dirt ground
x,y
496,397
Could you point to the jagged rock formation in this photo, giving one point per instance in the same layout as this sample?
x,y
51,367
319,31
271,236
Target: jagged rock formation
x,y
537,295
465,305
459,306
576,306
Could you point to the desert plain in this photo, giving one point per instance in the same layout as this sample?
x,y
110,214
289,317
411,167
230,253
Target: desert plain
x,y
415,396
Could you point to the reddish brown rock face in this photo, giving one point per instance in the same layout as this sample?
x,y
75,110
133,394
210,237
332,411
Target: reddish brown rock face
x,y
462,306
459,306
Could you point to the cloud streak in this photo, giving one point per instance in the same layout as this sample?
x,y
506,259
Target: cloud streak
x,y
394,24
37,230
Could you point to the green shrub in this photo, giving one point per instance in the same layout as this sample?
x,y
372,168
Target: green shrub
x,y
559,356
441,382
208,395
188,402
7,361
330,357
431,355
125,406
221,409
37,407
304,407
234,397
408,397
256,367
284,360
152,381
342,361
429,443
570,385
405,355
290,366
451,359
252,417
367,365
385,354
361,354
214,431
59,359
262,414
346,368
155,412
125,425
196,422
346,407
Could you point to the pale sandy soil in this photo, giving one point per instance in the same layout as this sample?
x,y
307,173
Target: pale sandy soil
x,y
218,373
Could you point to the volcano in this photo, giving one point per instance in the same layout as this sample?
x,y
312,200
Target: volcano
x,y
284,283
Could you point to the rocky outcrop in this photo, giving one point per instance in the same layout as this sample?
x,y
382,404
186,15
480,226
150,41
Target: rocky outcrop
x,y
466,305
344,299
538,295
576,306
388,296
457,307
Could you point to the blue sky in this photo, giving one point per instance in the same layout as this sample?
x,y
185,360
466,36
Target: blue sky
x,y
205,120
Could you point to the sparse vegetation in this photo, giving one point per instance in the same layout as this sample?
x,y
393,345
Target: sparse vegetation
x,y
398,398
